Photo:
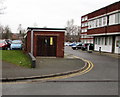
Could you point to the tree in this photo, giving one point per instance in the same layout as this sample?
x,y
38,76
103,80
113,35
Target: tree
x,y
2,8
21,32
6,34
1,31
20,29
72,33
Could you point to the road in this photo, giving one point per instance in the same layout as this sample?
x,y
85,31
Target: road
x,y
105,67
101,80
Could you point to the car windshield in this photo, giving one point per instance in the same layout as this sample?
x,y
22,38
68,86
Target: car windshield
x,y
16,42
1,41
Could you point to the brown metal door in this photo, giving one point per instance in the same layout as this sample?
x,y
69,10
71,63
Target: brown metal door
x,y
46,45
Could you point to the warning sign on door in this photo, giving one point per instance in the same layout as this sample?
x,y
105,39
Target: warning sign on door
x,y
51,40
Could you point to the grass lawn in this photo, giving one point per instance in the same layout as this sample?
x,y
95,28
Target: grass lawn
x,y
16,57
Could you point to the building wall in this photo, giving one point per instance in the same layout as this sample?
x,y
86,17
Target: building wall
x,y
84,28
108,9
107,47
117,44
104,29
97,31
60,41
104,20
113,28
104,42
28,43
104,25
104,48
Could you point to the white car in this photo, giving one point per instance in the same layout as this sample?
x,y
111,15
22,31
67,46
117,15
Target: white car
x,y
16,44
66,44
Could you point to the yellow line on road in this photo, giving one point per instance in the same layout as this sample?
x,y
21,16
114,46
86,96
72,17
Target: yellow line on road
x,y
89,68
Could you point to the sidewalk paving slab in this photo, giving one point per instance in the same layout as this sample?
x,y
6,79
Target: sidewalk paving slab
x,y
44,66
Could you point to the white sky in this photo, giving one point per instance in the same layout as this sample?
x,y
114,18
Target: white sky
x,y
50,13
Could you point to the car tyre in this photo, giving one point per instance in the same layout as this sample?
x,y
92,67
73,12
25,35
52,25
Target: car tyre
x,y
74,48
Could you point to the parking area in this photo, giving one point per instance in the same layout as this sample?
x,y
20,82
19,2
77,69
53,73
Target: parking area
x,y
8,44
80,45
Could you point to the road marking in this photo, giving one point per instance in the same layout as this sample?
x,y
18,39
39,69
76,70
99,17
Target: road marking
x,y
88,69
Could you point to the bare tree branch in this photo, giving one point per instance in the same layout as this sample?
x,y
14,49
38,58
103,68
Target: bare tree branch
x,y
2,7
72,33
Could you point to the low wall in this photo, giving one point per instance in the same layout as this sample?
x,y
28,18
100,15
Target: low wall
x,y
33,60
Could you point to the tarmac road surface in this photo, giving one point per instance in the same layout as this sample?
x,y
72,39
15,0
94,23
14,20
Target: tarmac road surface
x,y
101,80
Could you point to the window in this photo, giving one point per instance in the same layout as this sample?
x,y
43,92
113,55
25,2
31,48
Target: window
x,y
86,24
94,24
95,40
98,40
86,18
110,40
104,21
102,40
100,21
97,22
84,30
89,24
83,19
118,43
114,19
82,36
106,40
119,17
82,24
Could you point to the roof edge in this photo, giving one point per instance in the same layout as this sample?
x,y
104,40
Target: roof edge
x,y
37,28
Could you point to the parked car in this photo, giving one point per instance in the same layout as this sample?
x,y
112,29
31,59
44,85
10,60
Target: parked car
x,y
85,46
3,45
72,44
66,44
8,42
77,46
16,44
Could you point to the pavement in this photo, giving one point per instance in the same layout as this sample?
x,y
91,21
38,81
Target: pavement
x,y
45,67
102,79
115,55
107,54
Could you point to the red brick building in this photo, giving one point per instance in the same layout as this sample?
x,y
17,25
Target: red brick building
x,y
45,41
104,26
84,28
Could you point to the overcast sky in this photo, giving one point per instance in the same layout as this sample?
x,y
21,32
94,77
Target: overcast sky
x,y
50,13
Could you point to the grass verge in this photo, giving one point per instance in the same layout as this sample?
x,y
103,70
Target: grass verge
x,y
16,57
